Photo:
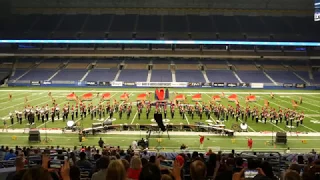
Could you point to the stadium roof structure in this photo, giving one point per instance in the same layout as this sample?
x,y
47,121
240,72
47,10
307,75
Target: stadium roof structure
x,y
195,42
215,4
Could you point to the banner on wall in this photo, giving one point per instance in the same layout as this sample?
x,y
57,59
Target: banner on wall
x,y
116,83
91,83
243,84
218,84
232,84
300,85
288,85
161,84
194,84
47,82
35,83
104,83
257,85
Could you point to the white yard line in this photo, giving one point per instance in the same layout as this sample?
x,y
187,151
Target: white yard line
x,y
304,102
6,96
285,108
308,128
134,117
186,119
32,99
298,106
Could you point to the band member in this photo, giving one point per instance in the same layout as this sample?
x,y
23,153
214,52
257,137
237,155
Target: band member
x,y
120,113
52,115
77,111
300,100
147,112
20,117
42,114
5,127
103,111
165,113
201,141
84,111
11,118
95,111
272,95
100,112
250,143
57,110
10,96
91,114
128,112
111,113
72,113
139,112
200,114
172,112
192,113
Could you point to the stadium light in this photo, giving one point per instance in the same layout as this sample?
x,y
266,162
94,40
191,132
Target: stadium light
x,y
196,42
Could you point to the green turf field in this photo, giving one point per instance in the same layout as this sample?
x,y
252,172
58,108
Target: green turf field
x,y
173,144
39,97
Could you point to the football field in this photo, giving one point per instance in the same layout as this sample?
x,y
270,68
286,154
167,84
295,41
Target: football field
x,y
283,98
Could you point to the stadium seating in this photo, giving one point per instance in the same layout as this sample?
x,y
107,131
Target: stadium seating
x,y
189,76
69,75
316,77
221,76
253,77
101,75
38,74
17,74
284,77
161,75
133,75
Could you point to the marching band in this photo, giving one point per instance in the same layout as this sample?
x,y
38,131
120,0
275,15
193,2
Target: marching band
x,y
198,110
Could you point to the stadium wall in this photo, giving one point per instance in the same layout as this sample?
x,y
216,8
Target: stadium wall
x,y
115,84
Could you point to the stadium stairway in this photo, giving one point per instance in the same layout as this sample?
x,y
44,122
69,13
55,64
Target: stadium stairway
x,y
236,75
205,76
310,74
308,83
269,77
63,65
34,66
89,70
173,71
149,75
117,75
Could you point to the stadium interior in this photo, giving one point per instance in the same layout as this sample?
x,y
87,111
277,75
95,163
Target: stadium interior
x,y
242,76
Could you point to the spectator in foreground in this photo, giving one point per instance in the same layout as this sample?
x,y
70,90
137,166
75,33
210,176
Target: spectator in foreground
x,y
292,175
19,170
102,164
135,168
197,170
74,173
126,164
116,171
150,171
10,155
37,173
83,162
